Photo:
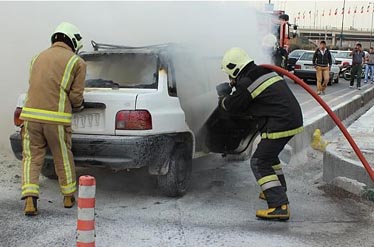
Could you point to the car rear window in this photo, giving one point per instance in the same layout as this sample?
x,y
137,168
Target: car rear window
x,y
307,56
343,55
121,70
296,53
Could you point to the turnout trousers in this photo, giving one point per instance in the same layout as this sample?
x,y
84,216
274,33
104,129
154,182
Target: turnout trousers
x,y
36,138
268,172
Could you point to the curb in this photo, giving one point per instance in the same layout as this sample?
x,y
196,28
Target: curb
x,y
325,123
354,187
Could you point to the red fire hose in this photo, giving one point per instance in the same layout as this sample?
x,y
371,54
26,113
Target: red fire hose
x,y
336,119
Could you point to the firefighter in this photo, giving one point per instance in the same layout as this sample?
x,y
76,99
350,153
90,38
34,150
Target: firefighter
x,y
56,87
278,55
263,94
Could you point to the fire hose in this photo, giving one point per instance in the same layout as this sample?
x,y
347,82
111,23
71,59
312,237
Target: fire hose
x,y
334,117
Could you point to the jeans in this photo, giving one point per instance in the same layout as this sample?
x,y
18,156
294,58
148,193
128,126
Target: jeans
x,y
323,73
356,71
367,68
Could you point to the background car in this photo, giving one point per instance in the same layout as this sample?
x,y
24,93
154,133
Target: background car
x,y
292,58
305,70
343,59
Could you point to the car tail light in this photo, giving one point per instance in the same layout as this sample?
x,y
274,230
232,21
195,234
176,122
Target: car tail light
x,y
133,120
297,66
17,113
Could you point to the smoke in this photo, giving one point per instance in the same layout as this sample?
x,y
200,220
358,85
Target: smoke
x,y
206,29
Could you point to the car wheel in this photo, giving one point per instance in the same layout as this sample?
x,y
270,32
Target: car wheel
x,y
176,181
48,170
330,81
336,80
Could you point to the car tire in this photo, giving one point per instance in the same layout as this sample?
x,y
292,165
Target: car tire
x,y
48,170
336,80
176,182
330,81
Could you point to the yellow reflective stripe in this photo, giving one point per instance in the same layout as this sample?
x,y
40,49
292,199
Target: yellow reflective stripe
x,y
282,134
32,186
30,192
265,85
277,167
33,61
46,115
68,189
64,82
54,113
267,179
27,151
65,156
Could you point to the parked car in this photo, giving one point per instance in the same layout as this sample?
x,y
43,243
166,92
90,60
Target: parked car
x,y
343,58
305,70
139,113
292,59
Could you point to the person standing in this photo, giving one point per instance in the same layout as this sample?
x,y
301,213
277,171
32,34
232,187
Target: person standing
x,y
322,61
358,57
369,68
265,95
56,88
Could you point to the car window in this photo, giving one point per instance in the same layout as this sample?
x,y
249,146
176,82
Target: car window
x,y
308,56
121,70
343,55
296,53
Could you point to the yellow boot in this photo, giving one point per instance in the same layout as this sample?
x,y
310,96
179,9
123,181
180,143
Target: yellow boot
x,y
279,213
31,206
69,201
262,195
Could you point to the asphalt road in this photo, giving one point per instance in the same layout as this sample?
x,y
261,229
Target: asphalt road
x,y
218,210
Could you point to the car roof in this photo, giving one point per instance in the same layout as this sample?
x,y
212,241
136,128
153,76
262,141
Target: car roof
x,y
162,50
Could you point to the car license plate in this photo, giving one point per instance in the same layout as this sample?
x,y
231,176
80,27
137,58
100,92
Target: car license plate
x,y
89,119
309,67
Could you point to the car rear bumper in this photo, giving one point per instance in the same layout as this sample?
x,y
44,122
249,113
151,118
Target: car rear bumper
x,y
116,152
308,74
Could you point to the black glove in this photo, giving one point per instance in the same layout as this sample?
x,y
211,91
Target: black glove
x,y
79,108
224,89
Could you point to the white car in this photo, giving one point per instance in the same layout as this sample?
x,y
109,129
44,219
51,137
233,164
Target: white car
x,y
343,58
305,70
137,115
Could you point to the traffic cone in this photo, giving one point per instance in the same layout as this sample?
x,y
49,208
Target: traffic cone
x,y
317,142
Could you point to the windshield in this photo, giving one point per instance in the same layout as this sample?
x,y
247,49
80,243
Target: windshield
x,y
343,55
121,70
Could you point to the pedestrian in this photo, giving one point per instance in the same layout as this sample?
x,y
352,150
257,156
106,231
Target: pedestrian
x,y
322,61
369,68
265,95
56,87
358,57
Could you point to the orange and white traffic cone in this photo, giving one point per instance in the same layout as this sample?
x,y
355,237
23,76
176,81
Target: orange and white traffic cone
x,y
86,212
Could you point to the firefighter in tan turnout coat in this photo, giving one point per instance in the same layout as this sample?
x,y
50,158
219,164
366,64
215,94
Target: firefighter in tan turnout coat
x,y
55,90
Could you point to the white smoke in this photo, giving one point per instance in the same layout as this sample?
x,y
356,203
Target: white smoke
x,y
208,28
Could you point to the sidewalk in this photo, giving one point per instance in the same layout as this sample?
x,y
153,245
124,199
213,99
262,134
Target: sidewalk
x,y
341,166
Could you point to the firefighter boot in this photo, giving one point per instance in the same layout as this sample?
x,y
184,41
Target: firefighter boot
x,y
69,201
31,206
262,195
279,213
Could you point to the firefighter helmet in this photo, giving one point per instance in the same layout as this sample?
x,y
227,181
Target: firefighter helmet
x,y
72,32
234,60
269,41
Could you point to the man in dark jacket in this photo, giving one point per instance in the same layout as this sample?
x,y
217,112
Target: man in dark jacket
x,y
322,61
263,94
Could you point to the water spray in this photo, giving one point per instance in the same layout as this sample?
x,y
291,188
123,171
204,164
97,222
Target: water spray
x,y
334,117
